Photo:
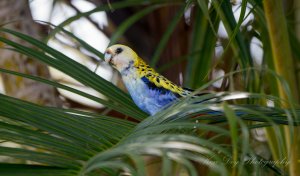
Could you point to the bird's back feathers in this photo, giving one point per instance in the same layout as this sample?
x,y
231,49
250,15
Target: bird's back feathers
x,y
155,80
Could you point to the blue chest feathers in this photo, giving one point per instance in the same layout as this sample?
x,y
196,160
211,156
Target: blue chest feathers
x,y
146,95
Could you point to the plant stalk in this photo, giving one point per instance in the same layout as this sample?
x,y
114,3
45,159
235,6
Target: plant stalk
x,y
284,66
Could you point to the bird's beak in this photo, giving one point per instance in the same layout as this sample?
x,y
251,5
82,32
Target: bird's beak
x,y
108,55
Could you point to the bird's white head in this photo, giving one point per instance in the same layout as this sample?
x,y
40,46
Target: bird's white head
x,y
120,57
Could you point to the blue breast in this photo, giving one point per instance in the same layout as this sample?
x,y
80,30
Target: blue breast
x,y
147,96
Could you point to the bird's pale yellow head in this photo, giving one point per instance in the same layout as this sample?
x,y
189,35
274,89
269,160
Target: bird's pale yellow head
x,y
120,57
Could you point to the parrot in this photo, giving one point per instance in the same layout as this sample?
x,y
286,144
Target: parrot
x,y
150,91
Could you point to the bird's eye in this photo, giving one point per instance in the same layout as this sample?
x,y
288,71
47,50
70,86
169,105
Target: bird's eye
x,y
119,50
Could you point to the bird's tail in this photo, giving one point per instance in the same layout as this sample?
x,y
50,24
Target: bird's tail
x,y
211,106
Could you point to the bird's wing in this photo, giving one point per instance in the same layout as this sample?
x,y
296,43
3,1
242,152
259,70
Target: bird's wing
x,y
158,87
159,82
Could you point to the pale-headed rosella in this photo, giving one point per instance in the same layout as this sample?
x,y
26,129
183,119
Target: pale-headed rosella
x,y
149,90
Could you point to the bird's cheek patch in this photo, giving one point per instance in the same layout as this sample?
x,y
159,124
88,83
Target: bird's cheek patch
x,y
121,62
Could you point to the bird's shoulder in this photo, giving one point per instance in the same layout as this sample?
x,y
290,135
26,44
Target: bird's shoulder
x,y
156,81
